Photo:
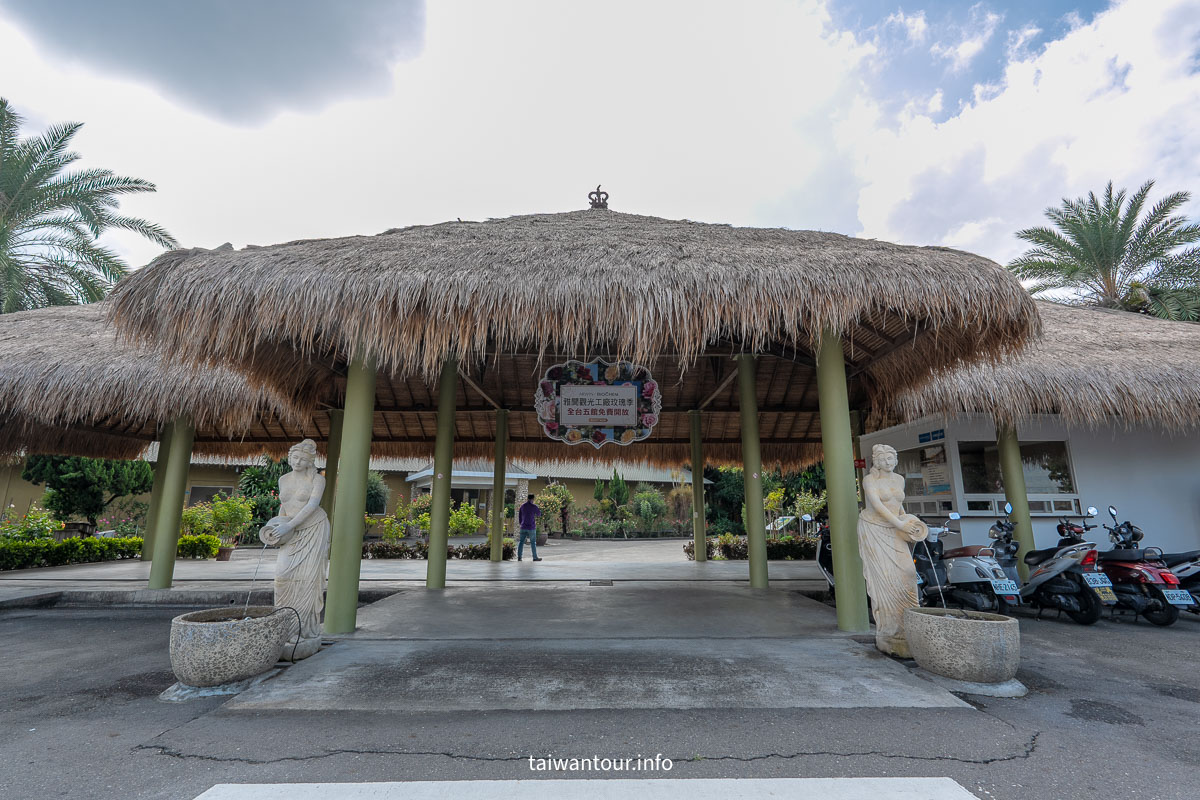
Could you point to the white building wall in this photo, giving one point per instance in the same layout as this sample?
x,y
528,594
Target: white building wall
x,y
1152,477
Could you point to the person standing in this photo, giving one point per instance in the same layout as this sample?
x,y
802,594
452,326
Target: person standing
x,y
527,517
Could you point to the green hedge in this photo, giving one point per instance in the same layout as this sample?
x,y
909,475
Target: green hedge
x,y
733,548
202,545
49,553
418,550
16,554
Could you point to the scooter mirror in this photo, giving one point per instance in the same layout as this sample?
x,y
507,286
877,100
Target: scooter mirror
x,y
1092,511
955,515
807,518
1008,508
1112,511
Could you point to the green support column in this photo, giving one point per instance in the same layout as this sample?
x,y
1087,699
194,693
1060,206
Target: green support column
x,y
170,503
350,498
443,466
160,478
699,538
333,450
838,445
756,520
497,551
1013,475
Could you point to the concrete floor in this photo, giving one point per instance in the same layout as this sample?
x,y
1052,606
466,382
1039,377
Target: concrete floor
x,y
1110,715
564,561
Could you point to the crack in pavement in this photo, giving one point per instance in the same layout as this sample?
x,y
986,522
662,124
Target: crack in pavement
x,y
1028,750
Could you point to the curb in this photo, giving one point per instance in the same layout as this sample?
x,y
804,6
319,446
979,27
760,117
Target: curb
x,y
158,598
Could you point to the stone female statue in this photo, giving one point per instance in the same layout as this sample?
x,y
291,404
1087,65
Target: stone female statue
x,y
302,533
884,531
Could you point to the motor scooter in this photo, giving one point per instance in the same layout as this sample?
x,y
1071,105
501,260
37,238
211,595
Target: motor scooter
x,y
824,552
1186,567
973,579
1143,584
1065,577
967,577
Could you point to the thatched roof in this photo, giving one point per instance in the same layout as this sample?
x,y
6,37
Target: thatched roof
x,y
1091,366
509,297
67,385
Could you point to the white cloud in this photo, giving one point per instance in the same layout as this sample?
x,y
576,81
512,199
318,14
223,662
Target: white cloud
x,y
760,117
915,25
512,108
975,37
1058,124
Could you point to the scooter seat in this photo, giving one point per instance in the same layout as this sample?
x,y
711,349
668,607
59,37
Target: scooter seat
x,y
1035,557
1175,559
1125,555
969,551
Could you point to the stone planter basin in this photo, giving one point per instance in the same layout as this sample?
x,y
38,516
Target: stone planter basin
x,y
223,645
964,645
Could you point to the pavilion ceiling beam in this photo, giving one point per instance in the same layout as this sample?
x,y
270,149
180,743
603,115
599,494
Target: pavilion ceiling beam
x,y
902,341
479,390
721,387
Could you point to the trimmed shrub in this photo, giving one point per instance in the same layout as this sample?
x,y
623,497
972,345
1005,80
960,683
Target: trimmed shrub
x,y
420,550
49,553
204,545
785,548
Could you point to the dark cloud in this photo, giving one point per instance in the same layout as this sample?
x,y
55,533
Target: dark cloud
x,y
242,60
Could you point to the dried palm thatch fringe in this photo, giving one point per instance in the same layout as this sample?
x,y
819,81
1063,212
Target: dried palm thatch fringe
x,y
64,372
783,456
638,286
1092,366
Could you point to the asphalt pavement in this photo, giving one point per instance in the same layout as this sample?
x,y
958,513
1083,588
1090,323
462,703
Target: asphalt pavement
x,y
1111,713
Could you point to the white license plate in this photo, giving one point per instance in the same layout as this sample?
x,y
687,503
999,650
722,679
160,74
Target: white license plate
x,y
1178,597
1005,587
1096,579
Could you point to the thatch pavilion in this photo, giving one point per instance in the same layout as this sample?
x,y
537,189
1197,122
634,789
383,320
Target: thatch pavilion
x,y
1093,368
795,325
69,386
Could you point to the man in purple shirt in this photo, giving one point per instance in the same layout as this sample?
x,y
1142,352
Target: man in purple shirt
x,y
527,517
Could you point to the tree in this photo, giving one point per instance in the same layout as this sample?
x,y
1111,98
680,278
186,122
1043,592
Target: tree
x,y
51,221
618,490
85,486
556,500
1109,254
598,490
260,483
377,493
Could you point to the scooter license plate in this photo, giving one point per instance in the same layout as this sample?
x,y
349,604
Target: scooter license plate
x,y
1107,596
1178,597
920,580
1005,587
1095,579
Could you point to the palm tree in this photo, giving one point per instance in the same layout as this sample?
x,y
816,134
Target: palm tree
x,y
51,220
1108,254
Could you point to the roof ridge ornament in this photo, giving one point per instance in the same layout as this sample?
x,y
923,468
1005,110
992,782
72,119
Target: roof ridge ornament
x,y
598,198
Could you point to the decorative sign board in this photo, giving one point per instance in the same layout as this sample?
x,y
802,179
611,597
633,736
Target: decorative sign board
x,y
780,523
598,402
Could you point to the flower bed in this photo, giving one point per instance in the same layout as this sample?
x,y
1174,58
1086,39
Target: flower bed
x,y
733,548
418,550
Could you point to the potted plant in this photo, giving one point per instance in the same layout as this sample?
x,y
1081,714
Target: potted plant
x,y
231,519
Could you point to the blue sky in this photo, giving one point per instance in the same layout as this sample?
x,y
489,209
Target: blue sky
x,y
924,122
922,44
